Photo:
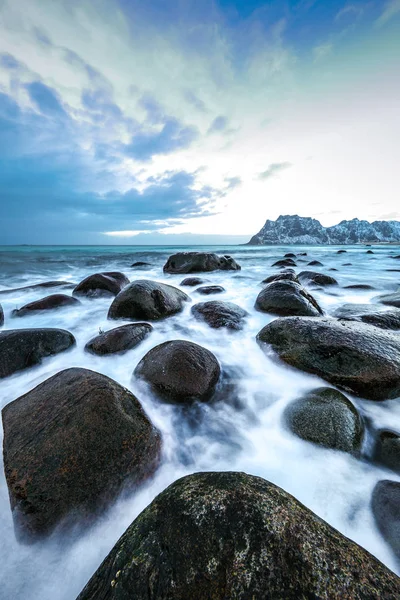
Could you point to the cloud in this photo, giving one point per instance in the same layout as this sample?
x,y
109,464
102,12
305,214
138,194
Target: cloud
x,y
391,9
45,99
274,169
321,51
219,124
232,183
171,137
354,10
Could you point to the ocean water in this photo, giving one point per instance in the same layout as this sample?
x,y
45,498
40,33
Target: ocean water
x,y
243,433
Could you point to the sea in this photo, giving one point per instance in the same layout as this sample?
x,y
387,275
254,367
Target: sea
x,y
244,432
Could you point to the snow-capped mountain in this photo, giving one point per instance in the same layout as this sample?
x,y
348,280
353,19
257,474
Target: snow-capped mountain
x,y
292,229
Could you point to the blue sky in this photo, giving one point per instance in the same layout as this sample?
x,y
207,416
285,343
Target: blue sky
x,y
168,121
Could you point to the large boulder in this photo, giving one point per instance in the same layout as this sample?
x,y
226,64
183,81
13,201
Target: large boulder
x,y
1,316
373,314
70,446
386,510
387,450
180,371
390,299
23,348
145,299
120,339
285,298
326,417
48,303
44,285
101,284
231,535
219,314
359,358
316,278
196,262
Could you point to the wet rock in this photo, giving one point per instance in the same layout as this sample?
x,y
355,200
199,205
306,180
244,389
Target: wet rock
x,y
370,252
396,257
119,339
219,314
180,371
284,262
315,263
23,348
45,285
386,510
101,284
192,281
332,269
232,535
49,303
373,314
290,255
210,289
70,446
327,418
302,253
286,298
341,251
1,316
196,262
390,299
288,275
387,450
317,278
139,264
359,286
357,357
145,299
347,264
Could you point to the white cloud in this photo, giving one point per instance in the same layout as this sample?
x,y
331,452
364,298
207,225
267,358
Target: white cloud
x,y
391,9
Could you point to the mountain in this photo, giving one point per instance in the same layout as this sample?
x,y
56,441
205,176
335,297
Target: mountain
x,y
292,229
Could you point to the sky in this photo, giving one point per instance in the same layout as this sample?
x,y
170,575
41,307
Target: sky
x,y
179,121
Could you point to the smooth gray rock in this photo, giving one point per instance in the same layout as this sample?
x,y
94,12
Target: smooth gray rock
x,y
386,510
287,298
317,278
219,314
101,284
44,304
387,450
373,314
197,262
119,340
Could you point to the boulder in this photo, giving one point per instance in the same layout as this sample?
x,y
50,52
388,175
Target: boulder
x,y
341,251
373,314
396,257
288,274
390,299
45,285
387,450
70,446
317,278
284,262
23,348
386,510
355,356
146,299
119,340
347,264
332,269
140,264
48,303
359,286
287,298
219,314
101,284
290,255
232,535
370,252
197,262
180,371
326,417
1,316
315,263
302,253
206,290
192,281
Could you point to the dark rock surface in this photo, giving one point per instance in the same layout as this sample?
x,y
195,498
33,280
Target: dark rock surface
x,y
220,536
315,263
387,450
326,417
390,299
386,510
101,284
139,264
49,303
119,339
284,262
359,286
70,446
287,298
180,371
357,357
373,314
370,252
146,299
210,289
288,274
192,281
23,348
290,255
317,278
1,316
219,314
44,285
341,251
197,262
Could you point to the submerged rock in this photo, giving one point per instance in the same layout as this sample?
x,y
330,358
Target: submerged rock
x,y
119,339
139,264
70,446
45,285
341,251
386,510
210,289
231,535
358,357
23,348
390,299
1,316
373,314
387,450
290,255
359,286
49,303
326,417
284,262
315,263
192,281
195,262
180,371
219,314
145,299
287,298
287,274
101,284
317,278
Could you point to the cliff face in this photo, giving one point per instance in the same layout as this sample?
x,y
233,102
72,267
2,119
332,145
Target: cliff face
x,y
292,229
